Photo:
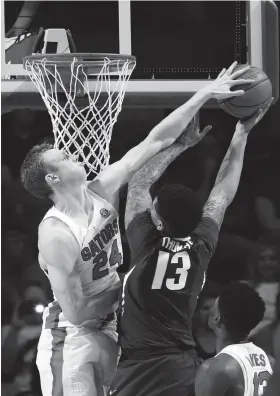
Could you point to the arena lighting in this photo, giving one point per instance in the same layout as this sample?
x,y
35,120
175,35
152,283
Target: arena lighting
x,y
39,308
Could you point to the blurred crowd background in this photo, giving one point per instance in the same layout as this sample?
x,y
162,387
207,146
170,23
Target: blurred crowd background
x,y
248,248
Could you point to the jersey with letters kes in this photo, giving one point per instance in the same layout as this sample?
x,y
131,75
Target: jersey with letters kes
x,y
254,364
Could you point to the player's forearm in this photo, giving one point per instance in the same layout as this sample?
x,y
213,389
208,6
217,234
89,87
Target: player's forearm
x,y
228,177
138,197
100,308
152,170
86,309
169,129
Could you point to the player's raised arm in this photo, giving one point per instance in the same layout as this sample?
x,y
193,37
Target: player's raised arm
x,y
165,133
59,251
138,197
228,177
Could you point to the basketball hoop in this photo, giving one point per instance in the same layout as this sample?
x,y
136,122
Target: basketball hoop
x,y
62,79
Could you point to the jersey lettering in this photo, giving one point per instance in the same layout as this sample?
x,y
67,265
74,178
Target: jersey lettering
x,y
115,256
180,261
256,359
176,246
260,382
100,261
100,241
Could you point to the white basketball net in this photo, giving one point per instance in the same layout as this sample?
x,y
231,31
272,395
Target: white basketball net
x,y
84,132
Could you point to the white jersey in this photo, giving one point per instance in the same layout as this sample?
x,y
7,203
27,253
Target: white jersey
x,y
99,257
255,366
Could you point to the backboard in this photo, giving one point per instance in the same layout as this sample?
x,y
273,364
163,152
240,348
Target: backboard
x,y
179,45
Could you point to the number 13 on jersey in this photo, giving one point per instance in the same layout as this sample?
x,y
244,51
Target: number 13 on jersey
x,y
181,263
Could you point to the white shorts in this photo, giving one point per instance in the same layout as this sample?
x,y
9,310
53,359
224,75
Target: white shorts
x,y
76,362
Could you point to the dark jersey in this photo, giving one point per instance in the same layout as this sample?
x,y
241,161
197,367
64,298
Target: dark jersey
x,y
161,289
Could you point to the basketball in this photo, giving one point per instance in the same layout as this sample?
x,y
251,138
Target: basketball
x,y
257,94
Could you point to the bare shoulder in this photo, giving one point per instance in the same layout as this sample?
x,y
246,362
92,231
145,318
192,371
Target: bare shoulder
x,y
215,208
206,366
53,228
222,366
54,235
218,376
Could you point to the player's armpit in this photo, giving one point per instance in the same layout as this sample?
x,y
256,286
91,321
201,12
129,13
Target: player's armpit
x,y
215,208
142,236
214,377
138,200
208,232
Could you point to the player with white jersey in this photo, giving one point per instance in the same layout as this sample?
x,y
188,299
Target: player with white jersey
x,y
240,368
80,250
100,253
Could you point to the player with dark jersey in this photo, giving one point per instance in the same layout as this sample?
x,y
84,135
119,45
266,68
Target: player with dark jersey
x,y
172,240
164,283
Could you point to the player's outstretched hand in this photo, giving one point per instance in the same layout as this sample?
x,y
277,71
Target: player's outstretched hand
x,y
192,135
220,88
245,125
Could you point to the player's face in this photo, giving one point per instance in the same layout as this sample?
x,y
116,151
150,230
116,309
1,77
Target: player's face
x,y
268,264
204,310
214,316
65,167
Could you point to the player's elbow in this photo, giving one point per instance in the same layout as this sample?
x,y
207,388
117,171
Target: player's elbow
x,y
76,318
73,316
159,143
225,192
75,321
74,310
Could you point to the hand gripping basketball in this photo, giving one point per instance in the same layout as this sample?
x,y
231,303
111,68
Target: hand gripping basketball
x,y
245,125
220,88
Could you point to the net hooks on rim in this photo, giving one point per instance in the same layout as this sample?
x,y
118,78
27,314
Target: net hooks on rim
x,y
60,79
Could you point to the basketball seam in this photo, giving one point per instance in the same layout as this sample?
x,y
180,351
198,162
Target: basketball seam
x,y
251,87
255,84
255,105
230,111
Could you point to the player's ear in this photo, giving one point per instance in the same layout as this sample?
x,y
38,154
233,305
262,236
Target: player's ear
x,y
51,178
160,226
217,322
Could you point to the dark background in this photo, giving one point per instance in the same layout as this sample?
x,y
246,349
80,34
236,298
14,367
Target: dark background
x,y
196,38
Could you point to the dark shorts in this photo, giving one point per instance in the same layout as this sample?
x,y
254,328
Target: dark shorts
x,y
161,375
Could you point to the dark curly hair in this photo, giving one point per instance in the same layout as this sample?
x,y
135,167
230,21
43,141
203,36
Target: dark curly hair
x,y
180,210
241,309
33,171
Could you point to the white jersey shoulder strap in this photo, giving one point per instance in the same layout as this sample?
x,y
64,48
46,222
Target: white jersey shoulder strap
x,y
78,232
253,362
